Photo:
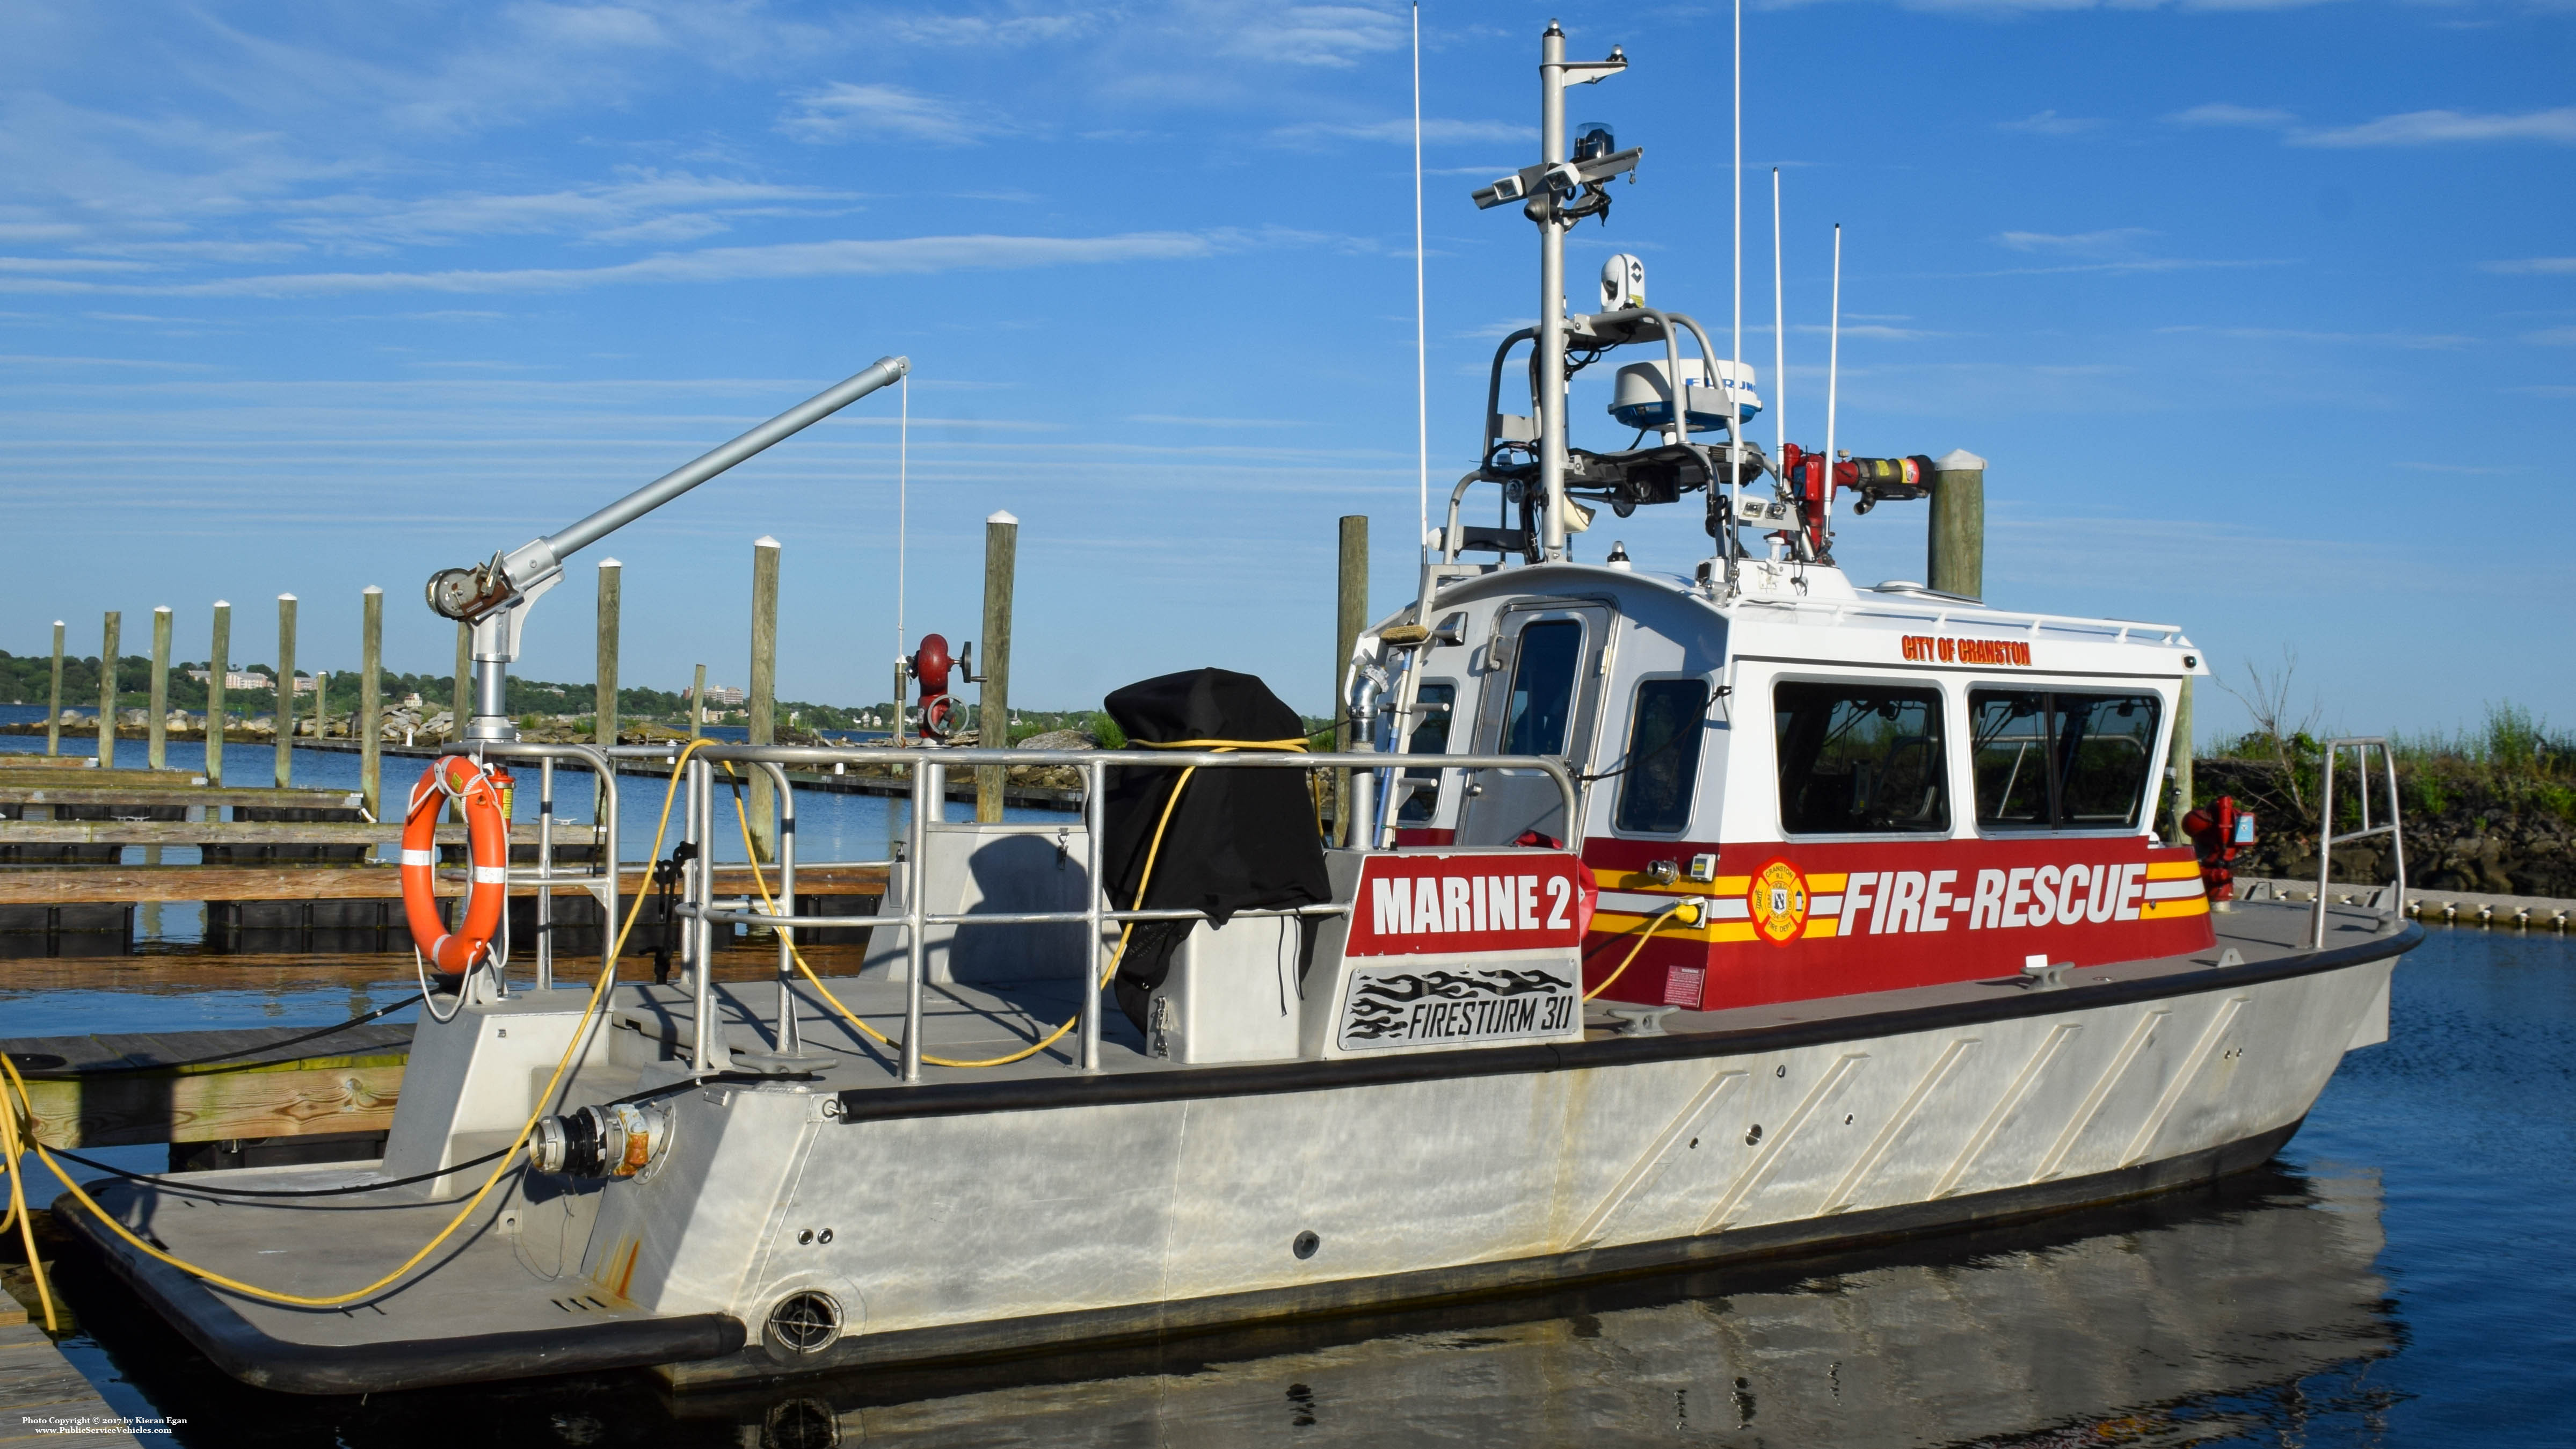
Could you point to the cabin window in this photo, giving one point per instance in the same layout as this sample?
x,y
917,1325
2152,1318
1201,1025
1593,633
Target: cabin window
x,y
1662,769
2046,760
1430,737
1541,710
1860,759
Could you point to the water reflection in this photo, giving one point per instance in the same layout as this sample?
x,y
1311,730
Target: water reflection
x,y
2252,1306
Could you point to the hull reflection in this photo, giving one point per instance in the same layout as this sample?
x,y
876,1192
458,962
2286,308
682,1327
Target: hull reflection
x,y
2165,1321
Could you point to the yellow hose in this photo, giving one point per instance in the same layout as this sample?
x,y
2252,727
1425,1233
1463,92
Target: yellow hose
x,y
18,1088
18,1212
1125,930
1661,916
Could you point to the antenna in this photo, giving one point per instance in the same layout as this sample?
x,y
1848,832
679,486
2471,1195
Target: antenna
x,y
1421,347
1833,372
1734,412
1779,329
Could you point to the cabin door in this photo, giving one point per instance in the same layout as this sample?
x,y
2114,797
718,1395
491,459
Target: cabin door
x,y
1542,696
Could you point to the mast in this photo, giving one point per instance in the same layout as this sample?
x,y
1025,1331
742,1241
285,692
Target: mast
x,y
1551,303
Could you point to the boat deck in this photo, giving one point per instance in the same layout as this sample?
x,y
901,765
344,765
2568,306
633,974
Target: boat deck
x,y
978,1022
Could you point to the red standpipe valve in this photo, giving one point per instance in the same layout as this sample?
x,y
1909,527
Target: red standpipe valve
x,y
2217,831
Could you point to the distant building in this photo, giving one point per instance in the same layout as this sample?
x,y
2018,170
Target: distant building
x,y
723,694
237,679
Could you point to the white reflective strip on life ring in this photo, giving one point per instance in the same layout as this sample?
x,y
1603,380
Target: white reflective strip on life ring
x,y
441,946
491,875
420,857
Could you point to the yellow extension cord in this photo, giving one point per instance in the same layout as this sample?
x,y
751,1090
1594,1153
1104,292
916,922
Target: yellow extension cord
x,y
23,1102
1667,913
1125,930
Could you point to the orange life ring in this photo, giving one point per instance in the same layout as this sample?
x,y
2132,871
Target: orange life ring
x,y
487,835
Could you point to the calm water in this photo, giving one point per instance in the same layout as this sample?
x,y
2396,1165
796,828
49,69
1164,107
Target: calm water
x,y
2398,1276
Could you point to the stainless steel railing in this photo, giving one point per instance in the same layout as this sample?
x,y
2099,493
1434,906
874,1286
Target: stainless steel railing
x,y
2327,840
545,877
929,769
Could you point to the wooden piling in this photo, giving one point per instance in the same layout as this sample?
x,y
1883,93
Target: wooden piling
x,y
285,713
321,703
107,691
611,599
2182,761
1350,616
370,720
54,711
698,705
1956,536
764,689
219,663
156,748
993,697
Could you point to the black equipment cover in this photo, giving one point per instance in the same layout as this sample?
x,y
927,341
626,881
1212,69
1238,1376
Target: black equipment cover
x,y
1238,839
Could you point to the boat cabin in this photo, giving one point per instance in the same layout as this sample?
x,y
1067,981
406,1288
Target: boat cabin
x,y
1812,762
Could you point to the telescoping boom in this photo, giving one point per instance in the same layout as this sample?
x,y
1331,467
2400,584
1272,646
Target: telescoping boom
x,y
493,597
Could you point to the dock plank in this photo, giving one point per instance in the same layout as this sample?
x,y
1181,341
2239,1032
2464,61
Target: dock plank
x,y
249,832
347,1082
69,885
45,1401
88,793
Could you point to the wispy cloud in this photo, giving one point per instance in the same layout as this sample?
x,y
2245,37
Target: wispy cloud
x,y
65,264
2532,266
899,255
2113,240
1172,420
2463,468
1435,131
2432,128
2552,337
24,360
2221,113
2433,341
2050,123
844,111
638,206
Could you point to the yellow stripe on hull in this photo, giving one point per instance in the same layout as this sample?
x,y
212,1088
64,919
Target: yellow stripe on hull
x,y
2173,870
2177,907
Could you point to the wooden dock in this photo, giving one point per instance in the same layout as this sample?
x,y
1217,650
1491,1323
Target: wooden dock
x,y
45,1403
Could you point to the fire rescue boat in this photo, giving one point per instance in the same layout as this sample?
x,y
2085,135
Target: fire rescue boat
x,y
1678,920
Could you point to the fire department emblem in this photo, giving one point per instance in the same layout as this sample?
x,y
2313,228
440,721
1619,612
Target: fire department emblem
x,y
1778,897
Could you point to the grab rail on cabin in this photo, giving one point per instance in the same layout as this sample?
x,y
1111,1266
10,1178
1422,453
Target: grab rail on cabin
x,y
708,1052
2327,840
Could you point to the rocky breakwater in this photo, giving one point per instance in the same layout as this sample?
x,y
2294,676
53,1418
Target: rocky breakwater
x,y
2467,829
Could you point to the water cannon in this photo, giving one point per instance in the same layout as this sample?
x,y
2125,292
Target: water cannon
x,y
1883,480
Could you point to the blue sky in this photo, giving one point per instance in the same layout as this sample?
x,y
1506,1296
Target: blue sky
x,y
2265,314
